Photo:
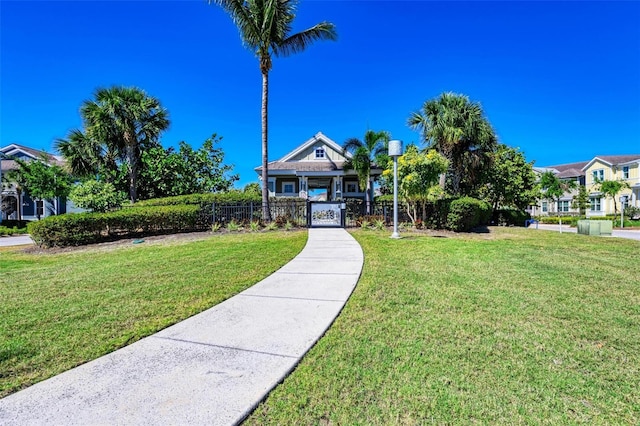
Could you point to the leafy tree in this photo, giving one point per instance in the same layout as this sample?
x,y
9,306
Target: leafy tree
x,y
43,181
365,154
98,196
581,200
119,123
167,172
512,180
265,28
418,175
457,128
252,188
553,188
610,189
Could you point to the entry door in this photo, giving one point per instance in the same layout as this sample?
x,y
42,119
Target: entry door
x,y
326,215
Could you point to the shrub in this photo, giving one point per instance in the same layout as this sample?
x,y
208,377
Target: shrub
x,y
97,196
86,228
632,213
509,217
466,213
209,197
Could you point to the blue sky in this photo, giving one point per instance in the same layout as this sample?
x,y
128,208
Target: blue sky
x,y
559,80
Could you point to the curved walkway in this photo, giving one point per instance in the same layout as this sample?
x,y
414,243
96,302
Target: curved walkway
x,y
214,367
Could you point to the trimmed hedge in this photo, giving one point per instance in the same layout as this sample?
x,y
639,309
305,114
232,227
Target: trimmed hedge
x,y
466,213
86,228
509,217
6,231
206,198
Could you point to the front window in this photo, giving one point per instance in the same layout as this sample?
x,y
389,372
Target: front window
x,y
597,175
352,187
271,184
319,152
595,205
288,187
39,208
545,207
625,172
563,206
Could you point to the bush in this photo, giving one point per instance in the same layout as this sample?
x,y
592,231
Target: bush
x,y
509,217
97,196
206,198
6,231
632,213
466,213
86,228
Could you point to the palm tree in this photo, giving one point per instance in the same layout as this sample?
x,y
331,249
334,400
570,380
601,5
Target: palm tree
x,y
86,156
364,155
457,128
124,120
265,28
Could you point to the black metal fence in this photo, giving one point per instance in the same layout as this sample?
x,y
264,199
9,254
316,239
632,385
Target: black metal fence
x,y
295,212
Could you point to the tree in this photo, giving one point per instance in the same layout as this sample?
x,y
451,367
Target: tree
x,y
43,181
418,175
581,200
554,188
265,28
457,128
511,180
87,157
611,188
186,171
365,154
97,196
122,121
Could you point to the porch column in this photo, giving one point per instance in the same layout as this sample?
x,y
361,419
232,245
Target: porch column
x,y
337,187
303,185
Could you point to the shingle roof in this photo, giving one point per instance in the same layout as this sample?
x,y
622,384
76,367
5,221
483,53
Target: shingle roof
x,y
619,159
305,166
35,153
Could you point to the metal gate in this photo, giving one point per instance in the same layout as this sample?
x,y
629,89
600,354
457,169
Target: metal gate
x,y
326,214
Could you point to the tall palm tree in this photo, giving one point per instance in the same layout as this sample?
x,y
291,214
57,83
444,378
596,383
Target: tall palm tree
x,y
125,120
86,156
265,28
457,128
365,154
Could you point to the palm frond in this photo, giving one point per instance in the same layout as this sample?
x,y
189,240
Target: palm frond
x,y
300,41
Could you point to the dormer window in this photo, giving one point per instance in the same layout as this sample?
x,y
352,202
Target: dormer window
x,y
319,152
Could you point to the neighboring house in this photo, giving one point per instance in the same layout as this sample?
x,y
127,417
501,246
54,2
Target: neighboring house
x,y
612,167
18,202
587,173
571,171
314,170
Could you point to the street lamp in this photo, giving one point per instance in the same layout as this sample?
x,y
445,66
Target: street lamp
x,y
395,150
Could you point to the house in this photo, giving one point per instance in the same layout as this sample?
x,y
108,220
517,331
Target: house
x,y
315,170
612,167
571,171
587,174
15,202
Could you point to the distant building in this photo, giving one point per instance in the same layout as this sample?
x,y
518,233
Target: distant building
x,y
15,203
587,173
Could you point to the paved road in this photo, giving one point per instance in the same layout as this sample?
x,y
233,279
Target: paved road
x,y
18,240
618,233
213,368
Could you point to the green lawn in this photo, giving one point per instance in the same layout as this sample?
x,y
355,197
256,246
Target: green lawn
x,y
61,310
513,327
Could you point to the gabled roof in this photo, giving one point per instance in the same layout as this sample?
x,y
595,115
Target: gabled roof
x,y
315,139
564,170
614,160
15,150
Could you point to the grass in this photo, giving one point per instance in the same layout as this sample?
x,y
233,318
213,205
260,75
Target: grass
x,y
512,327
61,310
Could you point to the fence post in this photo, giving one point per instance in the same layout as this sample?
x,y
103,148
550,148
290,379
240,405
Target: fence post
x,y
251,211
213,213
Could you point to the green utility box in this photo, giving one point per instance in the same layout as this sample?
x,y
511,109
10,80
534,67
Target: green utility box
x,y
595,227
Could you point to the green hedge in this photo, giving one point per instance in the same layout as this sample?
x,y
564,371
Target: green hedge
x,y
509,217
6,231
207,198
466,213
86,228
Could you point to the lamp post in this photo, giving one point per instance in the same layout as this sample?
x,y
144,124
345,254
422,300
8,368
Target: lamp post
x,y
623,200
395,150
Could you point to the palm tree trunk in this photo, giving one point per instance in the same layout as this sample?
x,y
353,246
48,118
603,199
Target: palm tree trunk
x,y
266,212
133,169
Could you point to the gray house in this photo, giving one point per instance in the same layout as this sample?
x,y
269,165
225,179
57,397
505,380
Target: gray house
x,y
314,170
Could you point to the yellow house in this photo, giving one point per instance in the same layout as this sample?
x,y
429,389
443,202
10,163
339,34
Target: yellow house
x,y
612,167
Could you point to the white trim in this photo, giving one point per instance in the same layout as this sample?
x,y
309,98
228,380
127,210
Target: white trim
x,y
590,163
318,137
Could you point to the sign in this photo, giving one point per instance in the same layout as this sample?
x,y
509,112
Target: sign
x,y
326,214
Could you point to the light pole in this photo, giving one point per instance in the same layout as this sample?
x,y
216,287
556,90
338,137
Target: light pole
x,y
623,200
395,150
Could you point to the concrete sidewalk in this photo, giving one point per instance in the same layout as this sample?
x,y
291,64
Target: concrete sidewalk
x,y
630,234
16,240
214,367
